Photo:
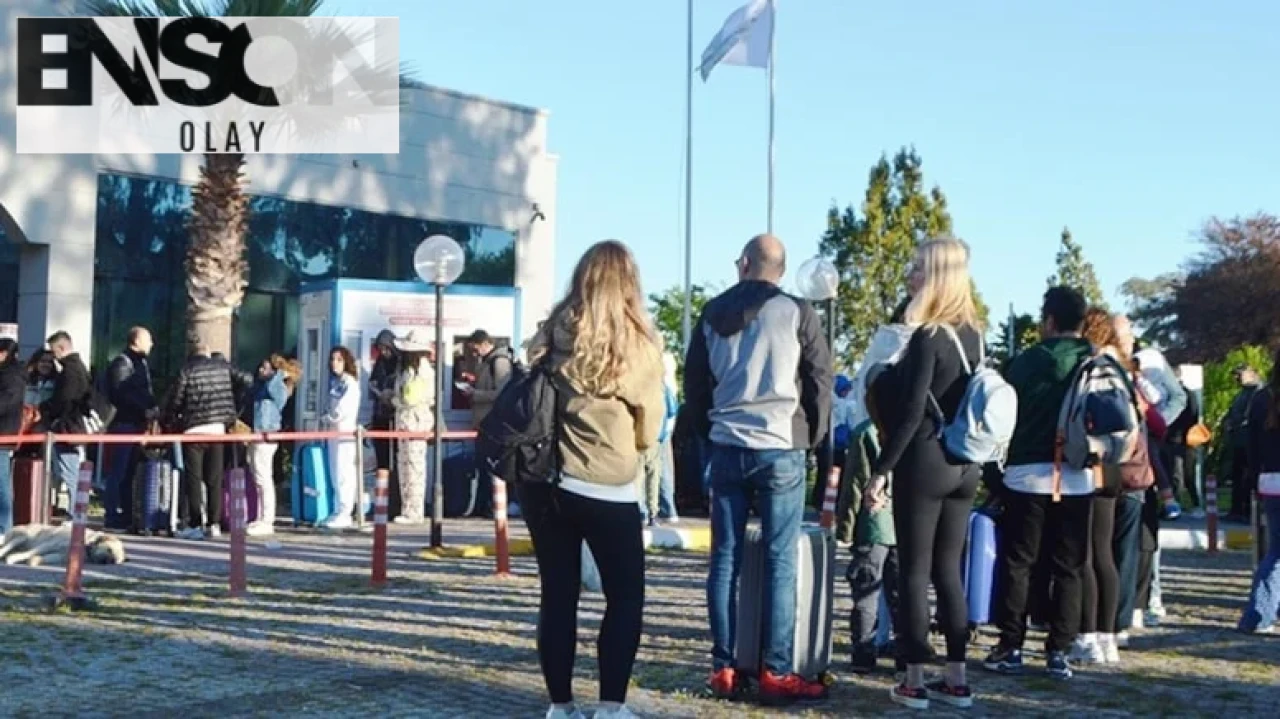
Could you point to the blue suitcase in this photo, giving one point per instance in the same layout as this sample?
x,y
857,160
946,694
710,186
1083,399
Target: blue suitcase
x,y
155,497
980,567
312,490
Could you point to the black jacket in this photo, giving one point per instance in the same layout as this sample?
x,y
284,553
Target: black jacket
x,y
1264,441
382,378
129,388
13,389
67,405
204,394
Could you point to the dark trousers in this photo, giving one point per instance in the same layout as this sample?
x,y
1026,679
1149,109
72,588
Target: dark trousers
x,y
1127,543
383,452
1027,520
873,569
1174,457
824,468
559,522
1100,577
1241,485
203,483
1040,598
1150,542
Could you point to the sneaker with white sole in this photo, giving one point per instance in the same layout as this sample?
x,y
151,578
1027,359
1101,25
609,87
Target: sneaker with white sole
x,y
958,697
1122,640
556,712
910,697
192,534
1110,647
621,712
338,521
1086,650
214,531
1158,610
260,529
1057,666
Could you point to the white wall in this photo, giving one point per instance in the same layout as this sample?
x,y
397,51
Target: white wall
x,y
462,159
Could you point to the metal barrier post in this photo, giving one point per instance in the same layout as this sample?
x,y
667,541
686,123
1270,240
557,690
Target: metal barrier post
x,y
360,477
381,498
46,503
501,543
239,515
829,499
72,594
1211,511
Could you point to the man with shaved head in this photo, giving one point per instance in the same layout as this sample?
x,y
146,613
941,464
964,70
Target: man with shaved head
x,y
758,386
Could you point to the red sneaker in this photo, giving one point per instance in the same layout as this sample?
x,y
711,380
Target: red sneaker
x,y
781,688
723,684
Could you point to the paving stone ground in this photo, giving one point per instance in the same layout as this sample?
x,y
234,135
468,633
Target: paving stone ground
x,y
447,639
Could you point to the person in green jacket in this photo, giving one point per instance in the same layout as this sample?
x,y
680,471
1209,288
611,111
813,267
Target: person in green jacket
x,y
874,567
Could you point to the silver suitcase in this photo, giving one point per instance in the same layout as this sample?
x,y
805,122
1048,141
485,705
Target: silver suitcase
x,y
815,600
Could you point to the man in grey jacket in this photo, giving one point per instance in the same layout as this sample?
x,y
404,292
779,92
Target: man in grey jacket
x,y
758,379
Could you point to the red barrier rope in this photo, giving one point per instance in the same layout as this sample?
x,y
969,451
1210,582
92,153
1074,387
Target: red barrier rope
x,y
268,437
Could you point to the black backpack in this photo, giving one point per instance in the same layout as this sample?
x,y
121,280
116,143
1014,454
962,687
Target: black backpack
x,y
517,440
1177,432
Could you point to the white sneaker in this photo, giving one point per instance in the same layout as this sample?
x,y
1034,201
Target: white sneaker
x,y
193,534
1109,645
1085,650
260,529
1139,619
338,521
408,521
556,712
215,531
1122,640
1158,610
621,712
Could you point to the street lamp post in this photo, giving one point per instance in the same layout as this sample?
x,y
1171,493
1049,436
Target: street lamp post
x,y
439,261
818,281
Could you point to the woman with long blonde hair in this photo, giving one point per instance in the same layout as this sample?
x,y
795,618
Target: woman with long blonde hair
x,y
932,493
606,364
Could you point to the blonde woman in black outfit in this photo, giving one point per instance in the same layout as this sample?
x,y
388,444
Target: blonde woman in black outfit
x,y
932,493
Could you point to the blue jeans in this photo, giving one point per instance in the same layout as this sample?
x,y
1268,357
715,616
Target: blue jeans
x,y
1127,542
776,479
66,470
667,489
6,490
1264,600
117,495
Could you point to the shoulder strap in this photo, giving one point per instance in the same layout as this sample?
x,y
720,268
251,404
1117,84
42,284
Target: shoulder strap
x,y
964,358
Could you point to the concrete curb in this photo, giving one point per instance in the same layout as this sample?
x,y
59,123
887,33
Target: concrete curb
x,y
687,539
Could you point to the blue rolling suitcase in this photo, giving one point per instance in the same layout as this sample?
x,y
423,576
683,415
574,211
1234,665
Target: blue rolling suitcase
x,y
312,491
980,567
155,497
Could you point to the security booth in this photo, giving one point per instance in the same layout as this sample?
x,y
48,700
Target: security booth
x,y
351,313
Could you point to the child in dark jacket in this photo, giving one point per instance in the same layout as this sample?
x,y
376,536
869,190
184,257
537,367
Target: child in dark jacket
x,y
874,567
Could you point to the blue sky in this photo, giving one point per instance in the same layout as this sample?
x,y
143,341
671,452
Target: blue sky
x,y
1132,122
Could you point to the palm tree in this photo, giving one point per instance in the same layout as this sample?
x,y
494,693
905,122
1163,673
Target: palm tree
x,y
215,264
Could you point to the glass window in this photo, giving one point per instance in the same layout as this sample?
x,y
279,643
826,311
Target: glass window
x,y
8,279
142,239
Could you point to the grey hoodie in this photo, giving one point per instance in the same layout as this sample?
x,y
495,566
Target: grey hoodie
x,y
758,374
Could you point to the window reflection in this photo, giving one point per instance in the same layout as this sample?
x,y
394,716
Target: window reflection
x,y
8,279
142,238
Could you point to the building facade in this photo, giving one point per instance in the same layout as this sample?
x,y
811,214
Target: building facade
x,y
94,244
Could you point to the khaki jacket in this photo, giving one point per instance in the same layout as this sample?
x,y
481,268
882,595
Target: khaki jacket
x,y
602,437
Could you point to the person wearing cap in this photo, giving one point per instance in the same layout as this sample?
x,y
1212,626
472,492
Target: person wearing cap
x,y
1236,428
413,399
493,369
382,387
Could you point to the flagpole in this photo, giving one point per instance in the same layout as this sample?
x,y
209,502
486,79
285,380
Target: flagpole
x,y
772,30
686,322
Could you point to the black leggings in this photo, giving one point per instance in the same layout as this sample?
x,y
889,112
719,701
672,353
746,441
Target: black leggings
x,y
931,504
1100,579
558,523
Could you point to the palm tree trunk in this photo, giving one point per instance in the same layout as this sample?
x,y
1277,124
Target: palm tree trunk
x,y
215,264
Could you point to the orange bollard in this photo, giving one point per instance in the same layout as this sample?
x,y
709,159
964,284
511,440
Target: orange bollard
x,y
1211,511
381,492
830,498
72,594
501,543
239,515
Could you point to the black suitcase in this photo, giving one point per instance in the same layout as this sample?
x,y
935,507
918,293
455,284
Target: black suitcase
x,y
461,485
155,496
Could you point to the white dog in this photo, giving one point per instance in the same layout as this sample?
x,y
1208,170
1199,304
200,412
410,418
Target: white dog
x,y
36,545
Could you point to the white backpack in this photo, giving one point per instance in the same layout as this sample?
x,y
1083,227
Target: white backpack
x,y
988,412
1099,423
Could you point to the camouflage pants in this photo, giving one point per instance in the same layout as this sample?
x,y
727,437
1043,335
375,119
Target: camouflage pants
x,y
411,459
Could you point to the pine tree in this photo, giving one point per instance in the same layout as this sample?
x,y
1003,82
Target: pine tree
x,y
1073,270
873,248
